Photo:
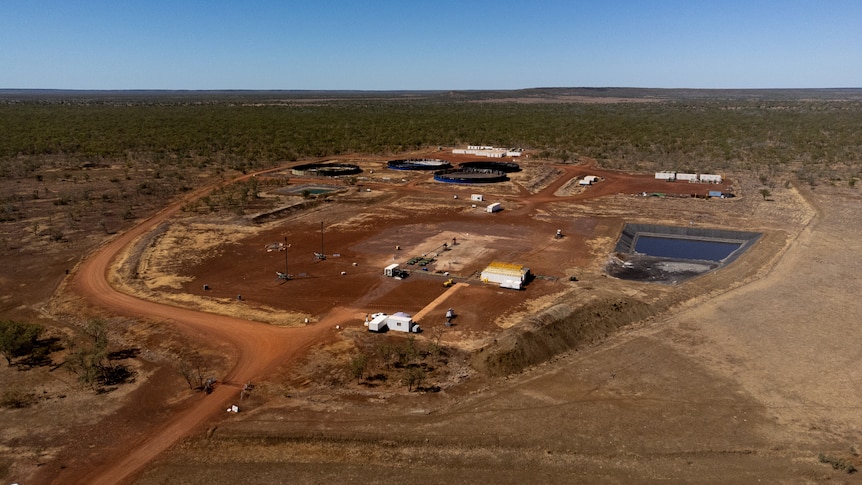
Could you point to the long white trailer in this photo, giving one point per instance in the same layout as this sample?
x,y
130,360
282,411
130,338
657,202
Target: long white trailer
x,y
398,322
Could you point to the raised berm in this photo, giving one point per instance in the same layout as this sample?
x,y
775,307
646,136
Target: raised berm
x,y
671,254
419,164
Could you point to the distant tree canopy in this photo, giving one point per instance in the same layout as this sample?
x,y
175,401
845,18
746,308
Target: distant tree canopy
x,y
819,135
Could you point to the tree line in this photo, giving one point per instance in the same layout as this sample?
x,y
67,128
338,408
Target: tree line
x,y
821,136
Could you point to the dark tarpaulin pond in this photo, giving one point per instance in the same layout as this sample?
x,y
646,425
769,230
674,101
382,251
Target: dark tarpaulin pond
x,y
670,247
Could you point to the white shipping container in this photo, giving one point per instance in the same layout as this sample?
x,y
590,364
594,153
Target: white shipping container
x,y
378,322
710,178
389,270
495,207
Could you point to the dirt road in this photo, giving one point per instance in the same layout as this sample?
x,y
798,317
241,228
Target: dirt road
x,y
259,348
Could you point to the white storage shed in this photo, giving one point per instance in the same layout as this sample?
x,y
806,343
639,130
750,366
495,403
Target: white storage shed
x,y
477,197
507,275
495,207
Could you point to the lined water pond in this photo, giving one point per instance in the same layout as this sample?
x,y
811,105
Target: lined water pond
x,y
684,248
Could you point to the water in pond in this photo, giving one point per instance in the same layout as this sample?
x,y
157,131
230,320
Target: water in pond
x,y
668,247
310,189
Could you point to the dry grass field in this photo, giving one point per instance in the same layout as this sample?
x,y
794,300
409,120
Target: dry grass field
x,y
750,373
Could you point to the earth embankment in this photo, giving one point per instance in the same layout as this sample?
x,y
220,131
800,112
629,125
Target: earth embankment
x,y
556,330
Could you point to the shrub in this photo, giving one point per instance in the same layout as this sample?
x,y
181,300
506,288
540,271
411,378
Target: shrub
x,y
16,399
837,463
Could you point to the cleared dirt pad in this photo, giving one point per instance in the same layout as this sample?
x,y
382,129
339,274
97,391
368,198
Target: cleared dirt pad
x,y
729,378
746,386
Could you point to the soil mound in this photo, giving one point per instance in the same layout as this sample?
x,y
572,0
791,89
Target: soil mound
x,y
558,329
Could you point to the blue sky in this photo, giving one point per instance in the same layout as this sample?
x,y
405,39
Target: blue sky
x,y
415,45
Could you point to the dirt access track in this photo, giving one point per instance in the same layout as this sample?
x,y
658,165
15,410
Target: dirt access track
x,y
722,383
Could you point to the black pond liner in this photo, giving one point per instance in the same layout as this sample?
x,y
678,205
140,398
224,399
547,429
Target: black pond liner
x,y
507,167
672,254
470,176
419,164
326,169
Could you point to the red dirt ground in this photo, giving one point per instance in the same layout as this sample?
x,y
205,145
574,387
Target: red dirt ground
x,y
319,288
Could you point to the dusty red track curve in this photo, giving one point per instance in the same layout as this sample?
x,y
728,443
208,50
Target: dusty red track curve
x,y
259,349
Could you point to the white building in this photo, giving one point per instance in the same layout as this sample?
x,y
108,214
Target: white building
x,y
710,178
399,322
507,275
666,176
402,322
588,180
495,207
488,151
477,197
687,177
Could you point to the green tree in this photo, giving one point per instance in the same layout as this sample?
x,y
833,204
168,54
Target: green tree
x,y
765,193
90,360
408,351
18,339
413,377
358,365
387,353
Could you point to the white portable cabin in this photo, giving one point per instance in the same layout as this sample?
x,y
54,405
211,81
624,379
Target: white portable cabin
x,y
390,270
377,322
687,177
506,275
495,207
710,178
666,176
477,197
588,180
401,322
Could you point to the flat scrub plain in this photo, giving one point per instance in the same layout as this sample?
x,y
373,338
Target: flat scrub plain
x,y
749,372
